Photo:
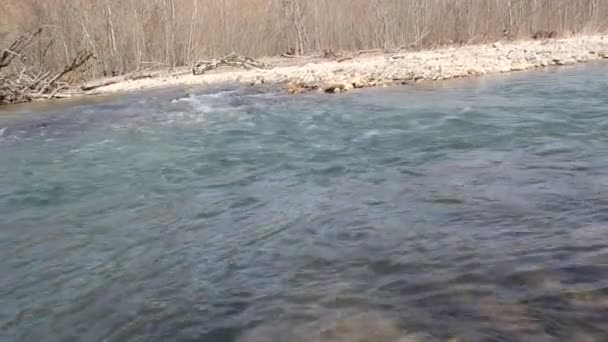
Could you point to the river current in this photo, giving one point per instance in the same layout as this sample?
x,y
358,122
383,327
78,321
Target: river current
x,y
466,210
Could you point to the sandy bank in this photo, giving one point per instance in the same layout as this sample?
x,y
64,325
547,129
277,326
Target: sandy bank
x,y
386,69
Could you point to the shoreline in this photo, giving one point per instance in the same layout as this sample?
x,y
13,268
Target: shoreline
x,y
303,74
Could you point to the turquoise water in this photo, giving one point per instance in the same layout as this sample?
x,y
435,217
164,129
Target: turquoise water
x,y
473,209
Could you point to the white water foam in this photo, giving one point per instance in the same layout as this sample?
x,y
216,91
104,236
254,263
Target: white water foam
x,y
195,102
92,147
465,110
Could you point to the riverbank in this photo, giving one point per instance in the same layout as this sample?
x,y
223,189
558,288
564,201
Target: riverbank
x,y
384,69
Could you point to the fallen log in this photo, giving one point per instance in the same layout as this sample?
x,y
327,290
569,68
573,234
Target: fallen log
x,y
232,60
357,54
92,85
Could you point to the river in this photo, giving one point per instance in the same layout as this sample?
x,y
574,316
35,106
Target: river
x,y
466,210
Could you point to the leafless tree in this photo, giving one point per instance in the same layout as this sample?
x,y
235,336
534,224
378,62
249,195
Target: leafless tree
x,y
128,35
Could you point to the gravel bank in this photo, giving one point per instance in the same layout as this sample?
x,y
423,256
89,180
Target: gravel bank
x,y
398,68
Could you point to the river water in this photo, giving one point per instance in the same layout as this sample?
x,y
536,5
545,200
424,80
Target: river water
x,y
467,210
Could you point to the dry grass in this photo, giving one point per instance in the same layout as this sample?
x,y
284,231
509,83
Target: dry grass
x,y
128,35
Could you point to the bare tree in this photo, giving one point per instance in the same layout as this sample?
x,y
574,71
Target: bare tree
x,y
128,35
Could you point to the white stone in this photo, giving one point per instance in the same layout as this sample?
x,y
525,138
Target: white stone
x,y
518,67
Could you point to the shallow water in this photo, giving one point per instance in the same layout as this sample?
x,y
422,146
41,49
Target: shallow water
x,y
468,210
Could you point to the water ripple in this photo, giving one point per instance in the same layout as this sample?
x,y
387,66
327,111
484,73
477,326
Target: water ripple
x,y
470,212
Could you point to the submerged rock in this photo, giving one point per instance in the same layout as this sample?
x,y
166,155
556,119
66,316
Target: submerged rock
x,y
292,88
258,80
519,66
563,61
476,71
297,87
334,88
358,327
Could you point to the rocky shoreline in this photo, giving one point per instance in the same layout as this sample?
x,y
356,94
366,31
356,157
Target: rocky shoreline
x,y
384,69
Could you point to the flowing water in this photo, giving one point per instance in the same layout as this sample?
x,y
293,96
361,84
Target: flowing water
x,y
468,210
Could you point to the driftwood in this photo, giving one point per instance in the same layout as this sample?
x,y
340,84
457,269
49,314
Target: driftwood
x,y
343,58
116,79
79,60
22,82
357,54
232,60
291,53
133,76
329,54
544,35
